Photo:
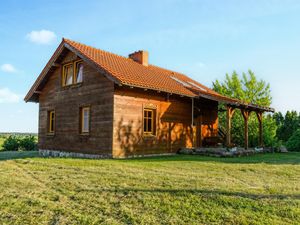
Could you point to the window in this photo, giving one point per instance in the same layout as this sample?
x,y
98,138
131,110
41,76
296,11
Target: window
x,y
85,120
149,122
197,86
67,74
51,121
72,73
181,82
79,71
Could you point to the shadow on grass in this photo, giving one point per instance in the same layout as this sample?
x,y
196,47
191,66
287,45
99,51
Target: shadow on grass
x,y
8,155
208,193
292,158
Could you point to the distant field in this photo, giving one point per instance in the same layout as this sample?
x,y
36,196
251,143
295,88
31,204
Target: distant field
x,y
261,189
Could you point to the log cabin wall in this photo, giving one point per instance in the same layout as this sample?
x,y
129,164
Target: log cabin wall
x,y
208,110
96,91
173,122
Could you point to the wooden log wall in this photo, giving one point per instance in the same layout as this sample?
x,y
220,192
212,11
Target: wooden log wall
x,y
173,118
96,91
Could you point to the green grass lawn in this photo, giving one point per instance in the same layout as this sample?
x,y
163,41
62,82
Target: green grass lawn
x,y
262,189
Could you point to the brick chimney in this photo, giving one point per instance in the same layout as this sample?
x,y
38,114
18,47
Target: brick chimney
x,y
140,56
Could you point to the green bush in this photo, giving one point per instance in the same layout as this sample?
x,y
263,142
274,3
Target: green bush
x,y
293,144
11,143
23,143
27,143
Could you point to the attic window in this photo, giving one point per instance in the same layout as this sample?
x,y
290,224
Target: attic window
x,y
181,82
68,74
79,71
197,86
72,73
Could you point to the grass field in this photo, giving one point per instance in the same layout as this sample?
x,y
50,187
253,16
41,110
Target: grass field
x,y
262,189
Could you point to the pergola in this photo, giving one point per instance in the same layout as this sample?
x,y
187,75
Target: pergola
x,y
246,109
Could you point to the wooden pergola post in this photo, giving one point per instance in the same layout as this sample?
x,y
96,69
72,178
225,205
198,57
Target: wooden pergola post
x,y
229,114
260,119
192,124
246,114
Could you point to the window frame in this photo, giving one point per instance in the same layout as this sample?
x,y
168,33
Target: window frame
x,y
51,122
64,74
152,132
81,123
73,65
76,63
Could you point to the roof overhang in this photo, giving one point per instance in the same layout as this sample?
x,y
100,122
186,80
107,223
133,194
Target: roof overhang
x,y
236,103
33,94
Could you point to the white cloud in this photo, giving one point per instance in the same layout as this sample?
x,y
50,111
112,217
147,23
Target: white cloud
x,y
8,68
7,96
43,37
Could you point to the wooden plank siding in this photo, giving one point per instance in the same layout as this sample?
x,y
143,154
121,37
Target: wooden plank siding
x,y
173,122
96,91
209,114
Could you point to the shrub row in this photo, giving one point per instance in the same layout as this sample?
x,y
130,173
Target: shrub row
x,y
23,143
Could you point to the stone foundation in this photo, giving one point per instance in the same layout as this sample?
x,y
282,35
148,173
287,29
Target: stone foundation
x,y
61,154
144,156
223,152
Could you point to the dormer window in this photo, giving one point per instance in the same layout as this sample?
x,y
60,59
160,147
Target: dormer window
x,y
72,73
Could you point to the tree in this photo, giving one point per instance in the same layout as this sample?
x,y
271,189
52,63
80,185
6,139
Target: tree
x,y
249,90
287,125
293,144
279,119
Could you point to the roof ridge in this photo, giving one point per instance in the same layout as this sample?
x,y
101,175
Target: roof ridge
x,y
171,71
66,40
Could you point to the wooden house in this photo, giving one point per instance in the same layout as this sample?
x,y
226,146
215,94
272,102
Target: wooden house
x,y
96,103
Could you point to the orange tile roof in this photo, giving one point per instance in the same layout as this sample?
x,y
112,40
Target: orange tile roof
x,y
126,71
129,72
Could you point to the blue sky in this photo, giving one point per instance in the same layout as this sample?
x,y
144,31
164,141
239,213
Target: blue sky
x,y
204,39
